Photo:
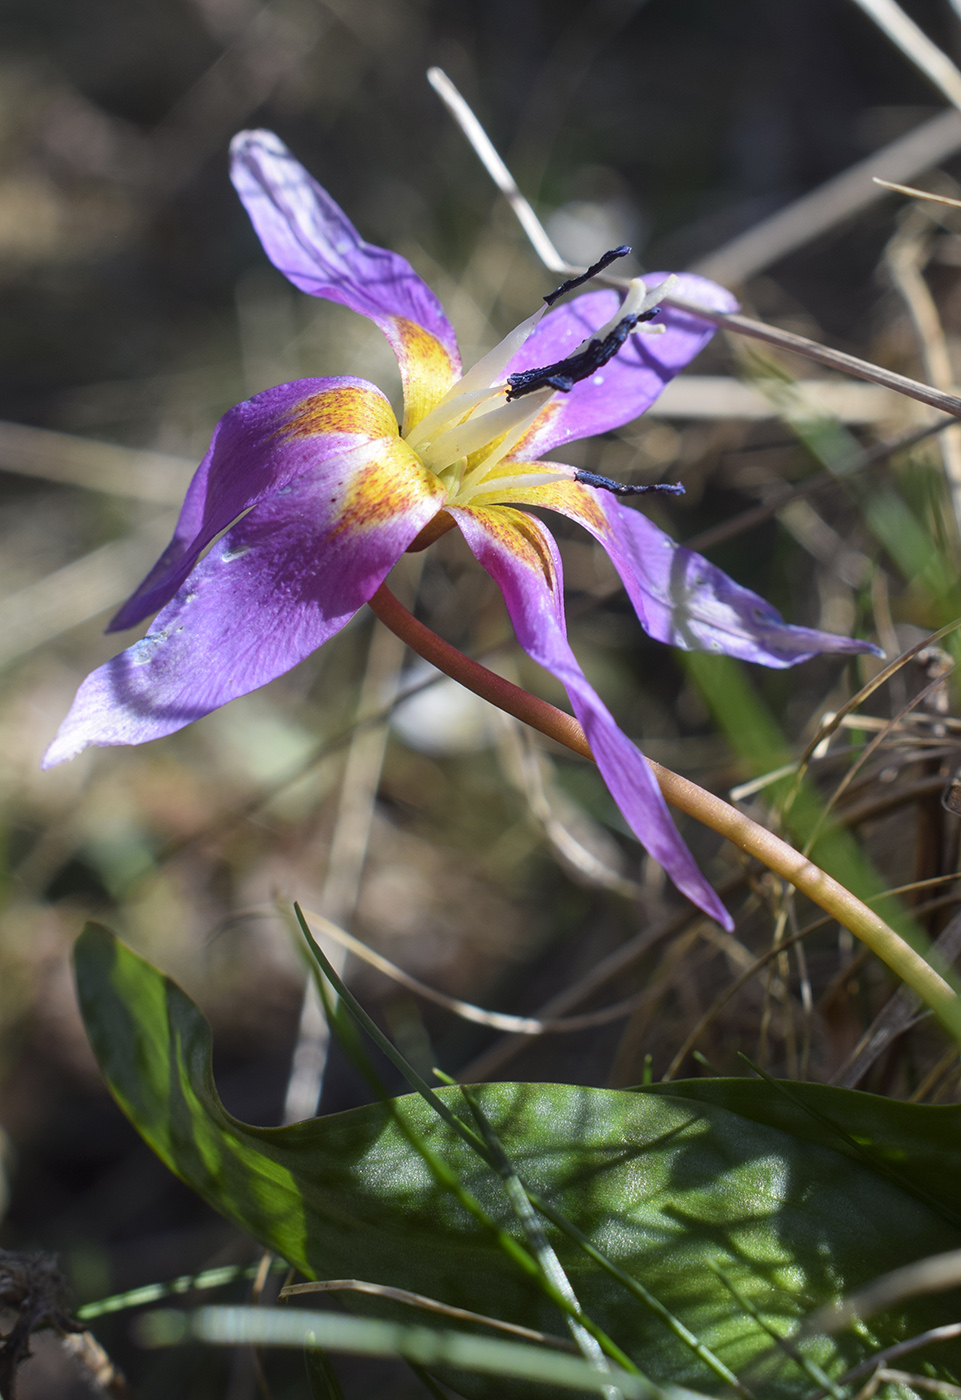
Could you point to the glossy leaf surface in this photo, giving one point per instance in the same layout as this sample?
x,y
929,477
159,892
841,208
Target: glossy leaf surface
x,y
662,1182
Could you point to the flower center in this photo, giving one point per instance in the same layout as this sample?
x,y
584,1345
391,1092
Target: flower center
x,y
483,417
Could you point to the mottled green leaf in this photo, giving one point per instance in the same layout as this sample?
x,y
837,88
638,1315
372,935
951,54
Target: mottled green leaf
x,y
663,1182
917,1146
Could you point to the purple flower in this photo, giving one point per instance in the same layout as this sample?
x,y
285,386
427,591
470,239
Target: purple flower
x,y
320,494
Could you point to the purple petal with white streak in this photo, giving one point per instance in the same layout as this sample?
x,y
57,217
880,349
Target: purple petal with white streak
x,y
627,385
520,555
310,239
250,457
272,590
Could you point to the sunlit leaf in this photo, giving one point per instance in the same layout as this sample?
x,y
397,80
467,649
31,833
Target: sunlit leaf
x,y
663,1182
917,1146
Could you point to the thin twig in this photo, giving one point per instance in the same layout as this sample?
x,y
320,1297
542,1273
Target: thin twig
x,y
345,861
906,1381
418,1300
915,45
918,194
497,1020
707,808
935,1274
834,359
616,964
894,1018
906,256
743,325
864,757
923,1339
529,768
731,990
756,515
499,173
833,721
822,209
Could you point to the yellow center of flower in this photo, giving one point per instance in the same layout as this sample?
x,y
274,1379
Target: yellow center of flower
x,y
473,428
479,421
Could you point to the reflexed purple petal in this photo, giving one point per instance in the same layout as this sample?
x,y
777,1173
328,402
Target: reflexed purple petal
x,y
684,600
254,452
628,384
519,554
680,597
272,590
313,243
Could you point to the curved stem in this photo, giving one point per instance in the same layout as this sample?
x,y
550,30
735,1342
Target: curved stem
x,y
680,792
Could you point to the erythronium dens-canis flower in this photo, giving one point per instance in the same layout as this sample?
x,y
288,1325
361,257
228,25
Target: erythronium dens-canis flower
x,y
320,493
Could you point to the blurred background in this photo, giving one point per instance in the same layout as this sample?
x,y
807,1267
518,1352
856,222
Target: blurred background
x,y
136,307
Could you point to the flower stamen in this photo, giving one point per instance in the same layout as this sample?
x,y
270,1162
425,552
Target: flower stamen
x,y
520,482
639,305
592,271
474,434
564,374
447,414
482,381
624,488
478,422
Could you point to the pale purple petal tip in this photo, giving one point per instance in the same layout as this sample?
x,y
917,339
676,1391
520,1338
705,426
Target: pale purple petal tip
x,y
683,599
310,239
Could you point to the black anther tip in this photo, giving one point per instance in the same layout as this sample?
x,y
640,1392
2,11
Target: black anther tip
x,y
592,271
623,488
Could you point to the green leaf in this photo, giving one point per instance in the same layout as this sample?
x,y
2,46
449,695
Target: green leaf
x,y
916,1146
662,1181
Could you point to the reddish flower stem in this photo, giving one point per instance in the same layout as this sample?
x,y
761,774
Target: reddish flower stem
x,y
680,792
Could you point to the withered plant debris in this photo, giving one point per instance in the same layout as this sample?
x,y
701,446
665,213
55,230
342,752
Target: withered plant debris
x,y
32,1286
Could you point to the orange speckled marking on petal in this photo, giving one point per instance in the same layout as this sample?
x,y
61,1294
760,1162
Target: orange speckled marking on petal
x,y
569,498
549,410
521,535
426,368
385,488
350,409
